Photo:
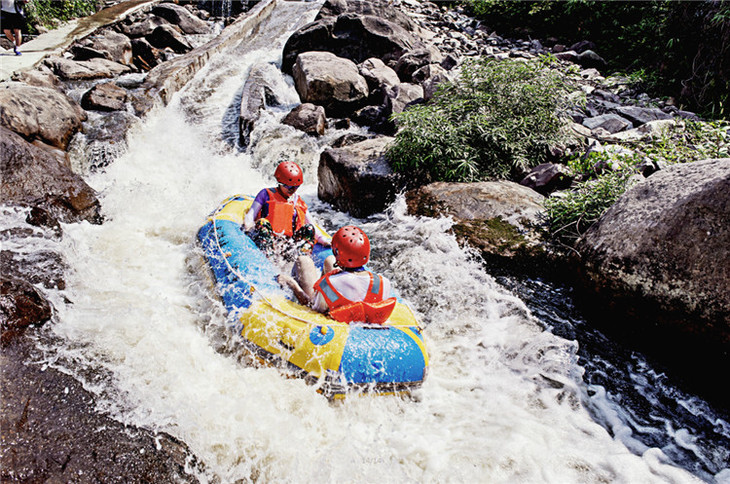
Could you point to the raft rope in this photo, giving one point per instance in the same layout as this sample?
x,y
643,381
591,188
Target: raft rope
x,y
257,292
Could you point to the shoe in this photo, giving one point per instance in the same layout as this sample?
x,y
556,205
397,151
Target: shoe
x,y
17,52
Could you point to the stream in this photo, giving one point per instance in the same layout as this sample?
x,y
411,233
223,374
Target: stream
x,y
519,388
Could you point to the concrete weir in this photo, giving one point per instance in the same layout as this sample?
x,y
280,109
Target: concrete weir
x,y
166,79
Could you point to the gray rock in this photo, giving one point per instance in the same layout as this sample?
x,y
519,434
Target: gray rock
x,y
547,178
106,96
180,16
356,178
165,36
639,115
613,123
110,45
332,82
96,68
34,177
40,113
659,257
258,92
308,118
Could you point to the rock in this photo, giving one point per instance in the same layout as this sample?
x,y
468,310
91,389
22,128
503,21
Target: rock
x,y
143,27
413,60
109,44
42,77
308,118
33,177
53,431
104,97
258,92
655,265
356,178
401,96
643,132
165,36
145,56
40,113
377,8
590,59
96,68
180,16
639,115
20,306
350,36
547,178
495,217
332,82
613,123
379,77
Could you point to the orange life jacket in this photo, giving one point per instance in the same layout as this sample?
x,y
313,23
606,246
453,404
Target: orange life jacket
x,y
373,309
281,213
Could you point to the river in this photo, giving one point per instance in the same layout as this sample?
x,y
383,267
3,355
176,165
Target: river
x,y
508,398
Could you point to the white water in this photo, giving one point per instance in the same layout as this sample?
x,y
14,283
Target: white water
x,y
503,401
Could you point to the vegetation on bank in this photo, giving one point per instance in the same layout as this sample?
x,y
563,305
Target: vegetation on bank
x,y
50,13
496,121
570,213
680,47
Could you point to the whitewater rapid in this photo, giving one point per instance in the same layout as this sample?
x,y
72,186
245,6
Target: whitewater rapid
x,y
503,401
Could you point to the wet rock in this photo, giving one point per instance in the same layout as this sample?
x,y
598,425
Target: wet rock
x,y
332,82
33,177
39,113
104,97
165,36
96,68
258,92
20,306
356,178
498,217
660,254
180,16
53,432
308,118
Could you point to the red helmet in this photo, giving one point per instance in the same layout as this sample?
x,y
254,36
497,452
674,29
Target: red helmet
x,y
351,247
289,173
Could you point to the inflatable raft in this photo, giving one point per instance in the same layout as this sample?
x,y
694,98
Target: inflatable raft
x,y
336,357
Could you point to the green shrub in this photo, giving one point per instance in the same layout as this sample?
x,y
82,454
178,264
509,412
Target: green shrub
x,y
48,13
495,121
569,214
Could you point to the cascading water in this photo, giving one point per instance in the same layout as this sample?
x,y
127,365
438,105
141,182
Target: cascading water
x,y
504,400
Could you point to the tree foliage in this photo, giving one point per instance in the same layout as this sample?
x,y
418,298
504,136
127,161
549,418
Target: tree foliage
x,y
685,45
495,121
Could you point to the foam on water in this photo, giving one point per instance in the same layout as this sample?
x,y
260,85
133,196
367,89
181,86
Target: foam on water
x,y
503,400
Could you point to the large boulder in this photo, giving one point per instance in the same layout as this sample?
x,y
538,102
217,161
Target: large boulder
x,y
376,8
33,176
356,178
351,36
499,218
107,44
95,68
329,81
656,263
40,113
259,91
165,36
106,96
180,16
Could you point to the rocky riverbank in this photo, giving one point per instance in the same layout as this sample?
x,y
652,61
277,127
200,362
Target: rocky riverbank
x,y
359,62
